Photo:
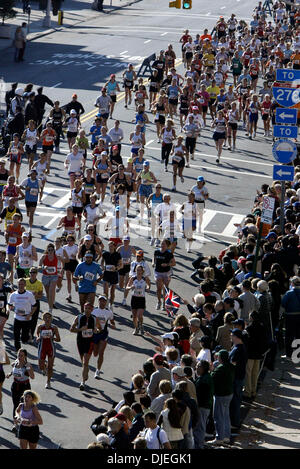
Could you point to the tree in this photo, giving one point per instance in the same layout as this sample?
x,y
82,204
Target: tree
x,y
7,10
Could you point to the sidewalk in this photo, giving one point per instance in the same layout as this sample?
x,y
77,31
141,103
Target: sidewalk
x,y
273,421
75,12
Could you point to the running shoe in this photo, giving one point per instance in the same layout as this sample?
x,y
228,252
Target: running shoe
x,y
158,306
142,330
97,374
69,299
135,332
215,442
82,386
166,170
173,189
124,302
217,160
182,179
47,386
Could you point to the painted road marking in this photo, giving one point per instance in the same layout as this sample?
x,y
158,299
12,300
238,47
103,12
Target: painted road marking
x,y
146,42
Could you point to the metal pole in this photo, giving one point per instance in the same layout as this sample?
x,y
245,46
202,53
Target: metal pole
x,y
47,18
282,207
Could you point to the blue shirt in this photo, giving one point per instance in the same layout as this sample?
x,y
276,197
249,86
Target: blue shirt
x,y
95,135
89,273
291,301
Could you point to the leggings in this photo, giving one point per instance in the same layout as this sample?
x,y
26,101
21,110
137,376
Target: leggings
x,y
165,152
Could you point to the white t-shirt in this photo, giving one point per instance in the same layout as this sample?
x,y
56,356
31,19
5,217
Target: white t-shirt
x,y
152,440
204,354
22,303
74,162
104,315
116,134
199,193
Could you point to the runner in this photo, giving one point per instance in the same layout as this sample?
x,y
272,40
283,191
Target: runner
x,y
4,311
233,119
25,256
31,185
168,136
189,212
88,274
13,237
22,302
47,334
126,252
153,200
58,116
73,124
129,77
48,136
191,130
201,194
29,419
84,326
145,178
74,163
163,261
103,103
34,286
159,109
68,223
49,263
42,170
14,154
117,226
139,285
4,174
70,265
112,87
103,315
78,200
31,137
219,135
111,263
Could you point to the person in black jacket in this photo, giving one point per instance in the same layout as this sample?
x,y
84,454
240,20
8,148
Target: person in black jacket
x,y
30,109
257,345
74,104
17,124
40,101
138,423
9,95
205,392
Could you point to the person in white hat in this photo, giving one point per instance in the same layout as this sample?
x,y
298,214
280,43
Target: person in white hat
x,y
73,126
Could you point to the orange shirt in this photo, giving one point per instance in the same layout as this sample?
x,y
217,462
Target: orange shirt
x,y
14,234
48,137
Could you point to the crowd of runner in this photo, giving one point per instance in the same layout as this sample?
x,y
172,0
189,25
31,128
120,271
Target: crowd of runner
x,y
196,378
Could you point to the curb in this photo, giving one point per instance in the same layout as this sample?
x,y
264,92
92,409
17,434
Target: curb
x,y
53,30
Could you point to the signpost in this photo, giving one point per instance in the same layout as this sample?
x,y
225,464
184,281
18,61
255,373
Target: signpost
x,y
285,131
287,74
286,97
286,116
283,173
284,151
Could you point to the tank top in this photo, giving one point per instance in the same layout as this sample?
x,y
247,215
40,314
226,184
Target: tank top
x,y
167,136
30,137
146,178
69,223
138,165
126,255
156,200
233,117
75,201
41,168
220,125
14,235
9,216
19,373
50,267
46,335
90,322
111,88
32,194
57,116
160,109
91,213
48,138
84,249
139,287
103,167
27,414
71,250
136,141
128,76
25,262
73,124
89,186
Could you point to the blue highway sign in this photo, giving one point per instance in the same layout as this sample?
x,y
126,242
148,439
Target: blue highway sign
x,y
286,74
286,97
284,151
283,173
285,131
286,116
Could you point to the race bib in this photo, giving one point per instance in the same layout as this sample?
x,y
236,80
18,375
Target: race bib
x,y
87,333
128,83
47,334
25,263
21,312
12,240
138,292
49,138
9,222
50,270
89,276
88,190
34,192
105,175
157,115
126,260
103,110
177,159
14,151
110,268
17,372
201,100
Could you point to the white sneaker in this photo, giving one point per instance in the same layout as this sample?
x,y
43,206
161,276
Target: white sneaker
x,y
97,374
215,442
124,302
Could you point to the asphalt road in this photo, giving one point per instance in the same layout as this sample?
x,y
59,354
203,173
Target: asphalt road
x,y
80,60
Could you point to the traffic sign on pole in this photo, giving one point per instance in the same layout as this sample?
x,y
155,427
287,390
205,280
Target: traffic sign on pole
x,y
286,97
285,131
283,173
287,74
286,116
284,151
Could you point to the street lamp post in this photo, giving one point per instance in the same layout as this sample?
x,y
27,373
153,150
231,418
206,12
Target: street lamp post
x,y
47,18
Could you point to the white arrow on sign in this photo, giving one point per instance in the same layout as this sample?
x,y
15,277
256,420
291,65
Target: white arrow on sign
x,y
283,115
282,173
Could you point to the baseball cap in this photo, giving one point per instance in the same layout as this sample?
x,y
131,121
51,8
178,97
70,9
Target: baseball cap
x,y
74,95
102,297
2,161
195,108
103,89
126,238
87,238
241,260
168,335
25,235
140,253
117,208
271,234
178,371
239,322
158,358
121,417
103,153
115,147
200,178
88,254
146,163
237,332
73,111
217,349
33,269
